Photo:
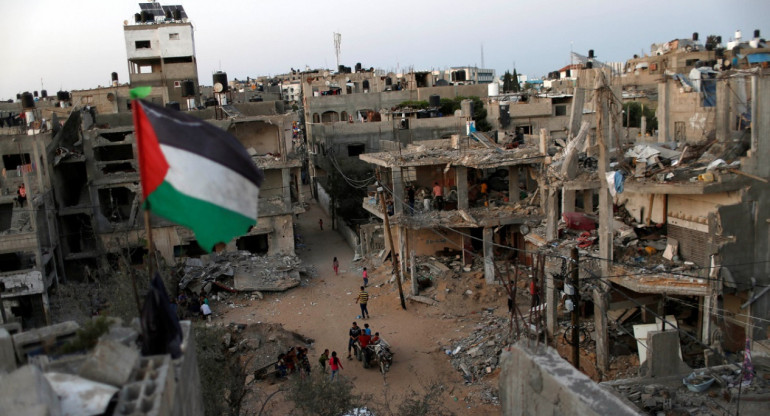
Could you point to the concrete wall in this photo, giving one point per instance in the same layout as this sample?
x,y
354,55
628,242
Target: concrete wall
x,y
370,134
426,242
160,43
543,383
261,136
685,108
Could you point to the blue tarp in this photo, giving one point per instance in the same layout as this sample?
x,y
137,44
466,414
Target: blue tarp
x,y
758,58
708,89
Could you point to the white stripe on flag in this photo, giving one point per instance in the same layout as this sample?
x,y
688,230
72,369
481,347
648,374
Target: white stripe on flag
x,y
201,178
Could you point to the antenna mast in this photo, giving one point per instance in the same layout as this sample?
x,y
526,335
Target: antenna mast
x,y
482,56
337,43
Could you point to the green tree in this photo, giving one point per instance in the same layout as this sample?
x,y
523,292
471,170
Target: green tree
x,y
450,105
516,86
507,82
317,396
632,116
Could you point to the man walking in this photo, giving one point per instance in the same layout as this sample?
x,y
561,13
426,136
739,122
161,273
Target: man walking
x,y
362,300
354,332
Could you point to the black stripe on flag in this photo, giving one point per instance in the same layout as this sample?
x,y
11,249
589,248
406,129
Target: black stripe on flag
x,y
183,131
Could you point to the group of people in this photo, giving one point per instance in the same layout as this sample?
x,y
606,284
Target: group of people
x,y
362,337
295,360
190,306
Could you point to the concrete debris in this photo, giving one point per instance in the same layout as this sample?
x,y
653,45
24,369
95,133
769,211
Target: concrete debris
x,y
669,394
481,349
243,271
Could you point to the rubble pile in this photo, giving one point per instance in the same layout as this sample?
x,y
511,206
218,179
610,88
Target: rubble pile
x,y
671,395
478,354
242,271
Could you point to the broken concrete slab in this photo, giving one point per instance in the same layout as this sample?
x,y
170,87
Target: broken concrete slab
x,y
37,339
423,299
279,282
111,362
80,396
7,354
26,391
660,361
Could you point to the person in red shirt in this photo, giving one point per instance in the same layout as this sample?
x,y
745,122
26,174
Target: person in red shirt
x,y
438,194
534,291
364,340
335,364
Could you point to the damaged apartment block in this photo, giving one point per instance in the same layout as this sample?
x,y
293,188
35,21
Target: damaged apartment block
x,y
679,236
488,194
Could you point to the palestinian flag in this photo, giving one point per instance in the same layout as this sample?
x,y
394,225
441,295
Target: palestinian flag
x,y
195,174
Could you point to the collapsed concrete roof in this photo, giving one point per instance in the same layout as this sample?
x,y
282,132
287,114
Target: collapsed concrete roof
x,y
440,152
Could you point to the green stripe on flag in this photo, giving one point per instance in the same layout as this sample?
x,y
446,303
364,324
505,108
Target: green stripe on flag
x,y
211,223
139,92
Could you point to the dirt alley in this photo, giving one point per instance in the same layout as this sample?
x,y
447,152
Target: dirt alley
x,y
323,308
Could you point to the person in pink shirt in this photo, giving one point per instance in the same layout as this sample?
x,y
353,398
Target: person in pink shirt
x,y
366,277
438,194
336,266
335,364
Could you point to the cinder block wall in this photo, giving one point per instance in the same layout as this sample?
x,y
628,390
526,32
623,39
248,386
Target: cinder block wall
x,y
542,383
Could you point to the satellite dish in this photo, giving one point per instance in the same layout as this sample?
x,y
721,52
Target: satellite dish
x,y
218,87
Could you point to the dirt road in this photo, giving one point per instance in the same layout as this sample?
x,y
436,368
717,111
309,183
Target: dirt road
x,y
323,308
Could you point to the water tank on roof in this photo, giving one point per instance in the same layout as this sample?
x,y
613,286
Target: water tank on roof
x,y
137,18
34,93
221,78
434,100
63,95
18,96
590,53
695,36
358,67
44,94
493,89
756,33
173,105
188,88
147,17
27,101
169,16
177,14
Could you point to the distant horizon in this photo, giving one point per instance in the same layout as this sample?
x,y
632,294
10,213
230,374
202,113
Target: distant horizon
x,y
64,50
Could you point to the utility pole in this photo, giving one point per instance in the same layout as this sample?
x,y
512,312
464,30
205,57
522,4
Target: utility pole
x,y
575,282
396,269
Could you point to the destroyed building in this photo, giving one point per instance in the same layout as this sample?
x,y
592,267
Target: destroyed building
x,y
488,193
30,251
96,174
347,114
681,218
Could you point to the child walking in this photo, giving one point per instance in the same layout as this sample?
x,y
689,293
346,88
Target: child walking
x,y
335,364
336,266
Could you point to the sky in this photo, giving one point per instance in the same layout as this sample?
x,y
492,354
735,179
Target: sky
x,y
77,44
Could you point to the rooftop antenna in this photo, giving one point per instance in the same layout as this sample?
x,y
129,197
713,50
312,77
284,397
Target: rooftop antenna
x,y
482,55
337,43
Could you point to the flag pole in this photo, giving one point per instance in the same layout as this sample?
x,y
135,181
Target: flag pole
x,y
150,251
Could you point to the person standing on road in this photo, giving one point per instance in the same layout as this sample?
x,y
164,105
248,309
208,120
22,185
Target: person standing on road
x,y
335,364
354,332
321,223
362,300
366,277
323,359
336,266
